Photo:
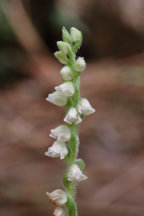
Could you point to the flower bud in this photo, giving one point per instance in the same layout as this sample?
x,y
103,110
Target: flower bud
x,y
80,64
66,88
57,98
58,212
57,197
66,73
61,56
84,107
72,116
75,174
57,150
76,35
63,46
66,36
62,133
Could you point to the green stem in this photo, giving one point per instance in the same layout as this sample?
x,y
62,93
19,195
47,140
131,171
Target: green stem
x,y
71,205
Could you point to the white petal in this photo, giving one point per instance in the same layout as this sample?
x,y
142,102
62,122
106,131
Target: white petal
x,y
84,107
62,133
57,98
57,150
58,197
66,88
75,174
72,116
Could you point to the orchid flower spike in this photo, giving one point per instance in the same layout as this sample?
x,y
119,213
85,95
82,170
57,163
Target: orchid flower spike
x,y
66,145
57,150
57,197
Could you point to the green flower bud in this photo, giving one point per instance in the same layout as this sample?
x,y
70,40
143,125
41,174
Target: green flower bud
x,y
63,46
63,59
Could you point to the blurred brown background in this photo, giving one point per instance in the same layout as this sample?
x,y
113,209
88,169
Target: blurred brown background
x,y
112,139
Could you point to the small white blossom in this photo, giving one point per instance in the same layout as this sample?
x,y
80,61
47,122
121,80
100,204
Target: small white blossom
x,y
57,197
80,64
66,88
66,73
62,133
76,35
63,46
75,174
72,116
57,98
84,107
57,150
58,212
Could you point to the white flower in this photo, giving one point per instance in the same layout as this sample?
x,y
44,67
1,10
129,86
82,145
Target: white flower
x,y
67,89
62,133
76,35
84,107
57,197
80,64
57,98
75,174
66,73
57,150
63,46
58,212
72,116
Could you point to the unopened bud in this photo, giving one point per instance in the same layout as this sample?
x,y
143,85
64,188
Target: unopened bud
x,y
63,46
80,64
76,35
61,56
66,73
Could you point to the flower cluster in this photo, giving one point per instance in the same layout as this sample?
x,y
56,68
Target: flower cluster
x,y
66,135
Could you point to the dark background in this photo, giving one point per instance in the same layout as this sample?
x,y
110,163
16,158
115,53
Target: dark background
x,y
112,139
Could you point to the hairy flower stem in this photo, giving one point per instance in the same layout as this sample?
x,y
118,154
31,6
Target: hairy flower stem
x,y
71,206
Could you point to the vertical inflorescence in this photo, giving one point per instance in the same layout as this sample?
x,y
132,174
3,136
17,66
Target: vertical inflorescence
x,y
67,141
